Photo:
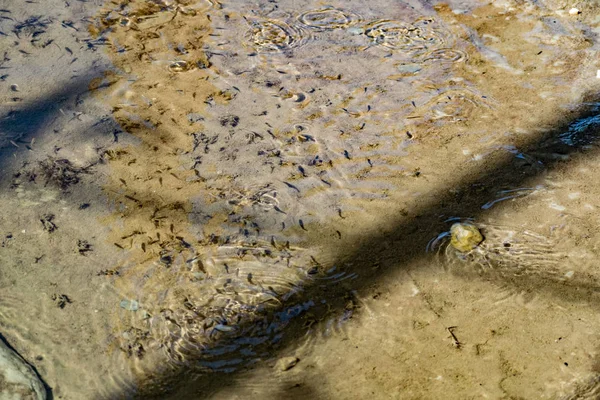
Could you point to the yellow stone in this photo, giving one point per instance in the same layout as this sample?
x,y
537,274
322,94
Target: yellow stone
x,y
464,236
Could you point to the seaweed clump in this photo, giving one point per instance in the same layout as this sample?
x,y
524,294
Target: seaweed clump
x,y
61,172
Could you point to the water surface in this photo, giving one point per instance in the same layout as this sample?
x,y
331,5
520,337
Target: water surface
x,y
249,182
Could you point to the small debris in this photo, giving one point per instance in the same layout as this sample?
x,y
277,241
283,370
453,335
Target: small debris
x,y
229,120
47,223
166,260
287,363
60,172
61,300
6,240
194,117
14,87
455,341
132,343
83,246
108,272
574,11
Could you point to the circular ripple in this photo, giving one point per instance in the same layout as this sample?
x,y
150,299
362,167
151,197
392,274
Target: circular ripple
x,y
445,56
392,34
272,36
456,105
426,30
413,38
329,18
511,249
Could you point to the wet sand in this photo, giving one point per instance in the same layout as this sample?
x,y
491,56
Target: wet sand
x,y
235,188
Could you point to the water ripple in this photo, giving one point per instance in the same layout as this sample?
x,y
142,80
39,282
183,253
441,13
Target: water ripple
x,y
273,36
414,38
329,18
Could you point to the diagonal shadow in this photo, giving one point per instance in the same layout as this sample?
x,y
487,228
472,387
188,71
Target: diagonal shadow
x,y
20,124
574,135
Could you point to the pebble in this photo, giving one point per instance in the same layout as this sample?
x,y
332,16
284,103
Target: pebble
x,y
574,11
570,274
224,328
130,305
356,31
465,237
18,380
409,68
287,363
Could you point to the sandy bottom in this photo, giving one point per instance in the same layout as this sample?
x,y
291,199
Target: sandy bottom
x,y
253,200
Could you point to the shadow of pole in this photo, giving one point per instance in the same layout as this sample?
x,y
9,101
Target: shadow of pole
x,y
23,123
573,136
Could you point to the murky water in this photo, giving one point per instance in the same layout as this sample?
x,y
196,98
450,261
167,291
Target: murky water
x,y
253,200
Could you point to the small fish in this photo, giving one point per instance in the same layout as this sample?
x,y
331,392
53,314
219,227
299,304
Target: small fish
x,y
292,186
302,224
69,24
133,199
279,210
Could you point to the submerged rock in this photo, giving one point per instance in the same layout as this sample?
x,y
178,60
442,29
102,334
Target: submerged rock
x,y
287,363
130,305
18,380
464,236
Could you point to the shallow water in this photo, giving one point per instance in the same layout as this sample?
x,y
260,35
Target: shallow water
x,y
223,185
